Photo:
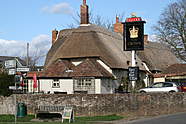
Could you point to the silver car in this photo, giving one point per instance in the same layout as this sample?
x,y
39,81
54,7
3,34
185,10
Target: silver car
x,y
162,87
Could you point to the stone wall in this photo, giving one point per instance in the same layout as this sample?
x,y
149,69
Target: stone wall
x,y
99,104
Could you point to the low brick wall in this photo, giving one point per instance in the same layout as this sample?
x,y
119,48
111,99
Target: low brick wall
x,y
99,104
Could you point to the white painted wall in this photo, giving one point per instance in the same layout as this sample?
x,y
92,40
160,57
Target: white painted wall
x,y
108,86
66,85
145,78
45,85
162,79
102,86
30,86
97,86
146,81
77,63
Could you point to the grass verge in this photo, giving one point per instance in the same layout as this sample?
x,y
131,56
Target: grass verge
x,y
9,119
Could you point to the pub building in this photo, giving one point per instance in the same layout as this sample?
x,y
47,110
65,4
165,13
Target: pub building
x,y
90,59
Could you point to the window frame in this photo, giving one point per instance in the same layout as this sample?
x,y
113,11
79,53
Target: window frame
x,y
84,84
56,82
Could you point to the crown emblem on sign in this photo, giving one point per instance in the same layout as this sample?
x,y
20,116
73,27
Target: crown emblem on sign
x,y
133,32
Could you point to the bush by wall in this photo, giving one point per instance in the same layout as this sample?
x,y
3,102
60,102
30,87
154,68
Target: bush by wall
x,y
6,81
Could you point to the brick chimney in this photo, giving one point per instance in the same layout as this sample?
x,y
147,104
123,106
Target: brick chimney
x,y
118,26
146,40
54,35
84,13
117,19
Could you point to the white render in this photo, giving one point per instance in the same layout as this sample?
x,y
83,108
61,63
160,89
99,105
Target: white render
x,y
97,86
108,86
102,86
77,63
45,85
146,80
67,85
162,79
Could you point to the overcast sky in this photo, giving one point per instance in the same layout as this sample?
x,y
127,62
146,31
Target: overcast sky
x,y
31,21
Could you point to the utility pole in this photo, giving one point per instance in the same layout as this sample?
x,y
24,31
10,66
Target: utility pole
x,y
27,59
27,64
15,114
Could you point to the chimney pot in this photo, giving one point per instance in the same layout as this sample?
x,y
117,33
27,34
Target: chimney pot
x,y
117,19
84,2
54,35
84,13
146,41
118,26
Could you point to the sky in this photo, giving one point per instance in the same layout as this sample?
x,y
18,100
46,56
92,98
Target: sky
x,y
31,21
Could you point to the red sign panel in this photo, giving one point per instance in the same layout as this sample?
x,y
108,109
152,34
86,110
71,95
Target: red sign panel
x,y
133,19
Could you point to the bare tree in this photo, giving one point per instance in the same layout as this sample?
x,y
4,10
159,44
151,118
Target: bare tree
x,y
34,58
171,28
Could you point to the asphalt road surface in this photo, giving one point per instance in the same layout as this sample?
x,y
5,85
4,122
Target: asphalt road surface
x,y
168,119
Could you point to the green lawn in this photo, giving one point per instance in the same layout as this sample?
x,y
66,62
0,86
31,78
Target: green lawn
x,y
45,123
9,119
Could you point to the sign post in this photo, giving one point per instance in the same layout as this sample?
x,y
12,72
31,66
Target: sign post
x,y
133,65
15,114
133,41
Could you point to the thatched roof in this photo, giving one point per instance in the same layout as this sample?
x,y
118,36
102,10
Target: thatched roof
x,y
157,56
94,41
173,70
91,41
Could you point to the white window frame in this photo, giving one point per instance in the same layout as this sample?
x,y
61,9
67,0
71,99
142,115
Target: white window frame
x,y
84,84
55,83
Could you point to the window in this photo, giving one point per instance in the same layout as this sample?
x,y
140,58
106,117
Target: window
x,y
157,85
56,83
88,82
167,85
84,84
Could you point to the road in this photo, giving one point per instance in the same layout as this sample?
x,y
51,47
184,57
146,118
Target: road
x,y
168,119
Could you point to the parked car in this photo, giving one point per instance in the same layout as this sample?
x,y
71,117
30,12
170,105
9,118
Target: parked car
x,y
183,86
162,87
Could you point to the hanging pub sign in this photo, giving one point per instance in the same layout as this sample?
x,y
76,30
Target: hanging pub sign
x,y
133,34
133,73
